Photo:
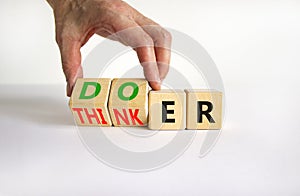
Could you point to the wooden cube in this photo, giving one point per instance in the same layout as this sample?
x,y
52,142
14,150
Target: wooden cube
x,y
128,102
89,100
204,109
167,110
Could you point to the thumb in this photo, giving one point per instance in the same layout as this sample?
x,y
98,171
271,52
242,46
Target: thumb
x,y
71,62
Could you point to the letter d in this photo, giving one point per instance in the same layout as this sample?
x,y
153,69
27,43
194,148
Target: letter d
x,y
85,86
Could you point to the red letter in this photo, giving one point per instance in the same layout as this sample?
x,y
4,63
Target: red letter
x,y
134,117
124,118
101,115
90,116
79,110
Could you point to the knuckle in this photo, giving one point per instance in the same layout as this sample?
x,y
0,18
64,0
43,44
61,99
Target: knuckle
x,y
147,40
61,37
64,37
166,35
58,39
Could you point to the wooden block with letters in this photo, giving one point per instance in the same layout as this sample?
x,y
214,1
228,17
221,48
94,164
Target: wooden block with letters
x,y
167,110
128,102
88,101
204,109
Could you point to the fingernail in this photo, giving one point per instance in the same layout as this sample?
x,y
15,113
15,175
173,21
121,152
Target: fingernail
x,y
155,85
69,90
72,80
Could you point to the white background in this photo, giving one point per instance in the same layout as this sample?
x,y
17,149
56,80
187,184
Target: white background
x,y
255,45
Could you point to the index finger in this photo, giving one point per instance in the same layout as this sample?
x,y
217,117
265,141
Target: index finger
x,y
131,34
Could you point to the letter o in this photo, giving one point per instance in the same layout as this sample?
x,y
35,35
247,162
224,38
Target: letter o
x,y
134,93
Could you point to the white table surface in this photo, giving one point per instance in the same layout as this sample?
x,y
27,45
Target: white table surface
x,y
258,152
255,44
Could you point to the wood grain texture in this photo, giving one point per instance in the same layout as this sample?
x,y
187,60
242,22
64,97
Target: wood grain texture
x,y
128,102
167,110
204,109
88,102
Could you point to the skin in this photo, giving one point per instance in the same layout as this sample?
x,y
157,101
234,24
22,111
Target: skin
x,y
77,20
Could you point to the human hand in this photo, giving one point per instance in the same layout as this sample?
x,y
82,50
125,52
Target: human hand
x,y
77,20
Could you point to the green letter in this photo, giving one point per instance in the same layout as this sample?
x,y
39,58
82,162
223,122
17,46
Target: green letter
x,y
134,93
85,87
